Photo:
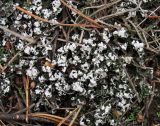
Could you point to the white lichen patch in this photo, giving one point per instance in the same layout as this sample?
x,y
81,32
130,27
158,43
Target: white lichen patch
x,y
81,66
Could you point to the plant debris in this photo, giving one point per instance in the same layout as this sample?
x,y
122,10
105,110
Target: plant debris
x,y
79,63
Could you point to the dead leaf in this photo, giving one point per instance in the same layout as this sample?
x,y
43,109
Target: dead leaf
x,y
157,72
139,117
8,46
49,64
116,113
155,124
33,84
1,67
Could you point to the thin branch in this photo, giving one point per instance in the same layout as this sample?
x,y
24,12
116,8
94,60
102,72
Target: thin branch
x,y
81,36
138,32
63,40
67,117
10,61
153,17
30,40
105,7
157,40
15,56
80,13
21,117
147,16
46,115
27,96
144,40
150,101
108,25
54,22
117,14
55,118
76,115
93,7
80,25
2,123
23,110
32,15
144,31
64,108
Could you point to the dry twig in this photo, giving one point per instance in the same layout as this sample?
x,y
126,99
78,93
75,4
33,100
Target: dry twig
x,y
22,117
55,22
81,36
148,16
105,7
81,14
153,17
25,109
2,123
55,118
27,96
30,40
143,39
10,61
67,117
117,14
76,115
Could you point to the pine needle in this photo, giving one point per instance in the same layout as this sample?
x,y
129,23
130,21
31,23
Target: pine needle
x,y
67,117
76,115
27,97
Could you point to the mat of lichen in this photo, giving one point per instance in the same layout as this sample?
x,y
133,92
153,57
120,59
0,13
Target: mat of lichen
x,y
94,70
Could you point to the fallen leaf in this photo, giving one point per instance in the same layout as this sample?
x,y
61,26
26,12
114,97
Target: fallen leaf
x,y
33,84
1,67
116,113
8,45
49,64
139,117
156,72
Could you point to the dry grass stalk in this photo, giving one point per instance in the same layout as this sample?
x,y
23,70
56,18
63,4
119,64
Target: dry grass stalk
x,y
27,96
80,13
54,118
10,61
76,115
81,36
80,25
67,117
63,40
141,35
30,40
47,117
147,16
65,108
57,119
117,14
2,124
105,6
23,110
